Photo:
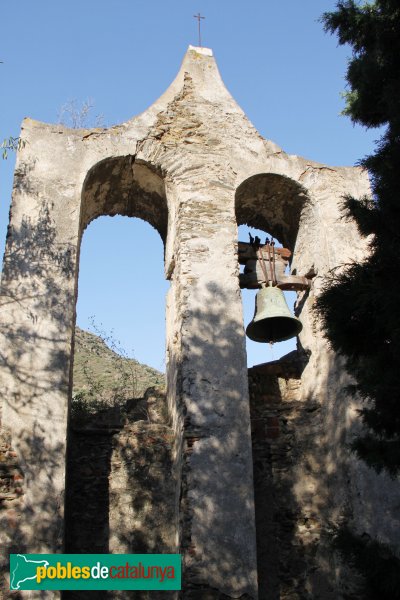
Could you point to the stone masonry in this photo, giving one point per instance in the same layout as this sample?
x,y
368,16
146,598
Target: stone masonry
x,y
290,534
194,167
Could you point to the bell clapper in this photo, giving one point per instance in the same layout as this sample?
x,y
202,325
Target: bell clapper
x,y
271,347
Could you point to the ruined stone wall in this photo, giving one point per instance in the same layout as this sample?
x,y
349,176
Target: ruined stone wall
x,y
121,489
302,494
289,533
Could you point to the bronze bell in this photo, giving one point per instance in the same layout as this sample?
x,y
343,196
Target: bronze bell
x,y
272,321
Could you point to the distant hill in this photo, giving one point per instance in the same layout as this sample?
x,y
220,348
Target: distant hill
x,y
103,374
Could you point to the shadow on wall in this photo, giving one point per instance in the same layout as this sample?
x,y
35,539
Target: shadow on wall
x,y
37,306
34,365
302,482
299,453
36,269
311,478
216,487
120,485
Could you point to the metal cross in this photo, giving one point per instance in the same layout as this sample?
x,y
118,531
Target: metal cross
x,y
198,17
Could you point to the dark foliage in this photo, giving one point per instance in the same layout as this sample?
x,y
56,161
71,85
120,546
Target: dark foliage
x,y
379,566
360,305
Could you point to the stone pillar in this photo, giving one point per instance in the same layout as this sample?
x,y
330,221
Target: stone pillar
x,y
217,507
37,316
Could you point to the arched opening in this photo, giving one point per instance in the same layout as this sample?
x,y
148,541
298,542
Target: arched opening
x,y
119,467
122,287
260,353
123,186
272,205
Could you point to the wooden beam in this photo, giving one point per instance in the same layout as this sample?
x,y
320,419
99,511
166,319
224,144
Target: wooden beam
x,y
294,283
246,252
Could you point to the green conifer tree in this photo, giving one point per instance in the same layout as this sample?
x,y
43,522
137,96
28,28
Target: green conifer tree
x,y
360,308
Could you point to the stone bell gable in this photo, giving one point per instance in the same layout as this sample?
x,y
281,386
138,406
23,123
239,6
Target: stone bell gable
x,y
194,167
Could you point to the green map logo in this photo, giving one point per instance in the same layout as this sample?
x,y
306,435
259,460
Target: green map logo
x,y
95,571
23,570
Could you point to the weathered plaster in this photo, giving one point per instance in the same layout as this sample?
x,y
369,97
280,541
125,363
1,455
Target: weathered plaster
x,y
193,166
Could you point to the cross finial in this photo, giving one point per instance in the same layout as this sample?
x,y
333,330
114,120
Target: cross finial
x,y
199,17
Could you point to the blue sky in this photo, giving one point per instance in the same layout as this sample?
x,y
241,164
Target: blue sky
x,y
276,61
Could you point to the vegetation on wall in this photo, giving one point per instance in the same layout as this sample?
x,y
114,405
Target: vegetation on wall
x,y
71,114
360,304
10,144
79,116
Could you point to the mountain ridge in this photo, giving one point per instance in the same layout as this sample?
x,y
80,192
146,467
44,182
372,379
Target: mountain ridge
x,y
102,371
